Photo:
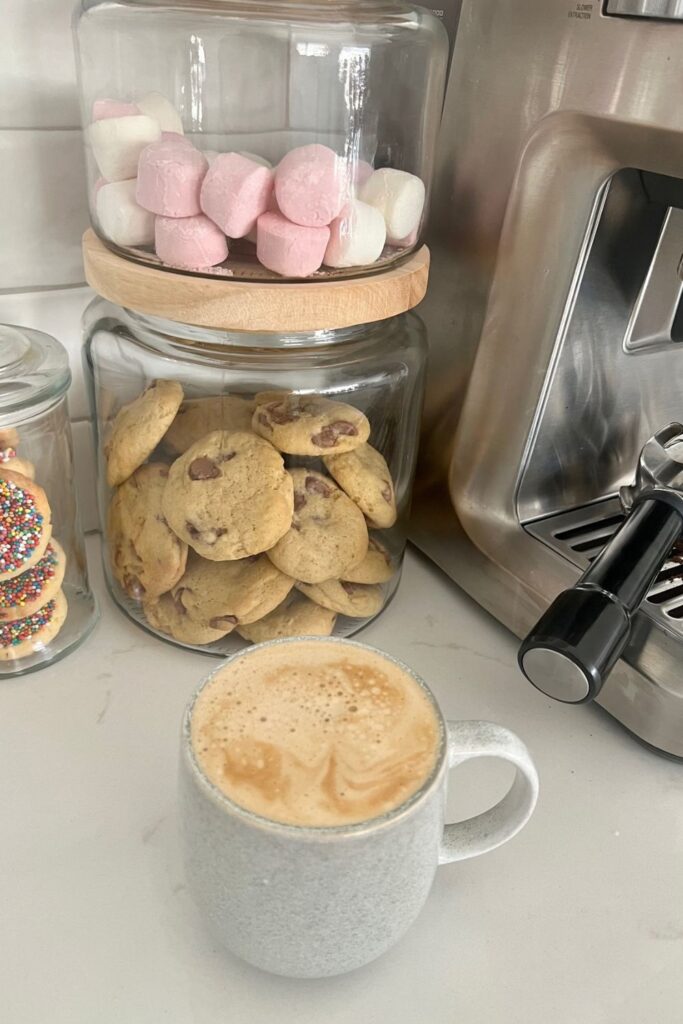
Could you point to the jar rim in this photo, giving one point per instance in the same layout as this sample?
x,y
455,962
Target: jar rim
x,y
34,369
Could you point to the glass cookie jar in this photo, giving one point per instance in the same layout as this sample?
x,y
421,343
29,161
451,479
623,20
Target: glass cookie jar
x,y
253,486
271,138
46,606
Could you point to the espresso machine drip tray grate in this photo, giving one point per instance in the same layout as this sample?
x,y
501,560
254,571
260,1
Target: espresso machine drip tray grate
x,y
581,534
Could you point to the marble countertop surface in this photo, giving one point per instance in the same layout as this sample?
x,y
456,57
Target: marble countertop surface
x,y
579,920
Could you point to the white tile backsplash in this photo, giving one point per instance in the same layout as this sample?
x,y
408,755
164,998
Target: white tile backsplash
x,y
57,313
43,208
37,68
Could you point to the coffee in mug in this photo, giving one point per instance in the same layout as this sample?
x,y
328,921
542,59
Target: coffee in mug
x,y
312,798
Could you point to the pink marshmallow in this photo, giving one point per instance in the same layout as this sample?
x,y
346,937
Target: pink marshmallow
x,y
170,176
102,109
235,193
311,185
100,183
362,170
175,137
290,249
190,243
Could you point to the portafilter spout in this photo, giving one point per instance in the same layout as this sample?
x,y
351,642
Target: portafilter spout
x,y
573,648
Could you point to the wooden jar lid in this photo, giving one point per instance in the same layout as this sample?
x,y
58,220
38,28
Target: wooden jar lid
x,y
242,305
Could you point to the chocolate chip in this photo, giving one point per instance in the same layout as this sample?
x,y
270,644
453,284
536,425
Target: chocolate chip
x,y
161,519
178,601
226,456
281,413
134,588
299,501
329,435
223,621
203,469
193,531
387,495
252,558
350,588
295,526
221,532
163,472
314,485
264,421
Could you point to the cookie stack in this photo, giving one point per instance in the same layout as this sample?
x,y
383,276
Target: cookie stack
x,y
256,513
32,563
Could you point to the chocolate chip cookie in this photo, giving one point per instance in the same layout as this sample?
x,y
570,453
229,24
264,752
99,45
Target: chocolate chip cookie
x,y
229,496
328,535
296,617
147,558
168,615
24,637
376,567
356,600
198,417
25,524
228,594
139,427
364,475
27,593
311,425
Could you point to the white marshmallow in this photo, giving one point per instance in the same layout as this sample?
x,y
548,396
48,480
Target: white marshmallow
x,y
256,159
117,143
400,198
357,237
162,111
120,218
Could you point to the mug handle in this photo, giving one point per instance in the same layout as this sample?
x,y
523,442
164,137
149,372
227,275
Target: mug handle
x,y
468,740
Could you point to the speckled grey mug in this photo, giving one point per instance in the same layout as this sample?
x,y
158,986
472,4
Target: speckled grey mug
x,y
314,902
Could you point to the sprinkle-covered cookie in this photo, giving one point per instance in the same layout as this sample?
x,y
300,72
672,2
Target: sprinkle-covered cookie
x,y
25,525
229,496
31,590
311,425
23,637
139,427
356,600
328,534
364,475
10,460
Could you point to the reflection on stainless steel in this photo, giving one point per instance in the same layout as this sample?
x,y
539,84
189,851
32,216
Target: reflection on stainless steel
x,y
553,309
646,8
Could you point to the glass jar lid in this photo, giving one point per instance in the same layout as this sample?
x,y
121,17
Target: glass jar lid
x,y
34,368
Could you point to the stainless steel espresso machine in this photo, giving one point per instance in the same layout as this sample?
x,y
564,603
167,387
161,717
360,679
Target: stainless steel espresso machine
x,y
556,326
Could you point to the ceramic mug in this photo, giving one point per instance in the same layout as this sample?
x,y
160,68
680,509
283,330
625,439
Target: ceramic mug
x,y
314,902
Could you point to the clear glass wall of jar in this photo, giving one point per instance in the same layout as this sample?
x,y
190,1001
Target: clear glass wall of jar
x,y
203,116
46,606
195,430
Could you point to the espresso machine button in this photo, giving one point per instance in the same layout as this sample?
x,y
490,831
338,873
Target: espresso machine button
x,y
575,645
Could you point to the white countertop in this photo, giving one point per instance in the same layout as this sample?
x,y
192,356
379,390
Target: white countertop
x,y
579,920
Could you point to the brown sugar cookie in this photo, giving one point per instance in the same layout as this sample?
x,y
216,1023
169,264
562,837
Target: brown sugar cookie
x,y
296,617
147,558
376,567
229,496
198,417
9,459
25,524
311,425
24,637
364,475
139,427
356,600
328,535
230,593
168,615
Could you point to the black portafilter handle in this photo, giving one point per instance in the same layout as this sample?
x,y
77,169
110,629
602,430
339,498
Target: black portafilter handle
x,y
575,645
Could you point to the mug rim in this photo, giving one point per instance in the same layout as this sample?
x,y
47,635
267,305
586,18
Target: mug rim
x,y
314,832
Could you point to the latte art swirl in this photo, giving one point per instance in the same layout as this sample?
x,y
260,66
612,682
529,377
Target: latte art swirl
x,y
315,734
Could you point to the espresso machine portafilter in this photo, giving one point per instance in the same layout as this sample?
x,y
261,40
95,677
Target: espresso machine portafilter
x,y
574,646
